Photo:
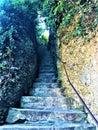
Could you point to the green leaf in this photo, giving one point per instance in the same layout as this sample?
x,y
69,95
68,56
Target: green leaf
x,y
78,32
2,66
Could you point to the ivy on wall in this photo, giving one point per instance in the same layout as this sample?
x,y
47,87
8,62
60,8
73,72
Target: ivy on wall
x,y
61,13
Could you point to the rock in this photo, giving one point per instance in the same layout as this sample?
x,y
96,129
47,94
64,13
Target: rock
x,y
18,58
15,117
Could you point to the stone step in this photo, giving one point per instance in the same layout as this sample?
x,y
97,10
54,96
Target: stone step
x,y
46,79
46,76
46,92
47,55
39,126
36,115
47,68
46,85
45,102
47,71
46,59
46,65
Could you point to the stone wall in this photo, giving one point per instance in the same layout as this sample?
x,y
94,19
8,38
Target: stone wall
x,y
80,55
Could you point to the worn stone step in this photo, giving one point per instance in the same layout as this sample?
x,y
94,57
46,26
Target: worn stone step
x,y
39,126
46,85
46,92
46,76
46,80
47,55
47,59
36,115
46,64
46,71
47,68
45,102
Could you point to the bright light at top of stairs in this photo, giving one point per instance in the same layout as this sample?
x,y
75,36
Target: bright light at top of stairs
x,y
46,33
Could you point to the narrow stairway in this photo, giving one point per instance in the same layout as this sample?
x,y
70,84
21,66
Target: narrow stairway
x,y
46,108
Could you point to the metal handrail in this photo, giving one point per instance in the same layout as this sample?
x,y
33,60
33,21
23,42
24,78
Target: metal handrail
x,y
81,99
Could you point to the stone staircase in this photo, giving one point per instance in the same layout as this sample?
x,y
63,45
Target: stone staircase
x,y
46,108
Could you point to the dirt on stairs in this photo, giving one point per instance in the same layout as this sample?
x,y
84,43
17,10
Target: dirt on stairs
x,y
45,108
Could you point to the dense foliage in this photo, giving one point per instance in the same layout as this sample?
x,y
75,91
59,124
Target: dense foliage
x,y
18,58
61,13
